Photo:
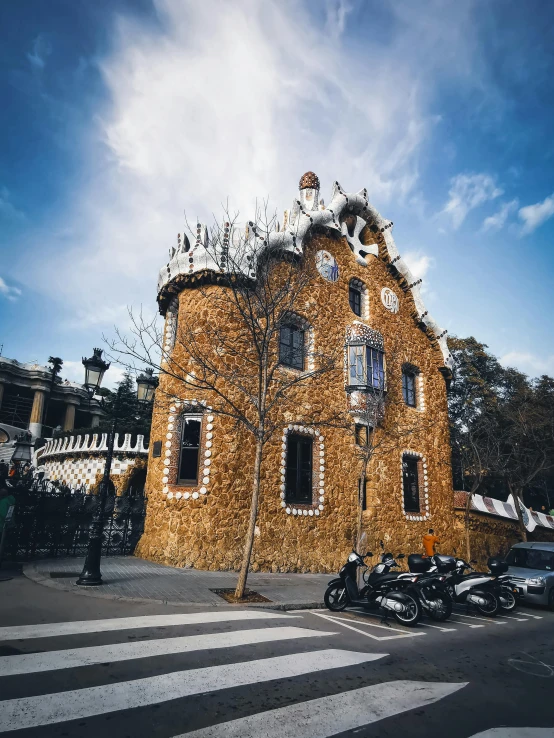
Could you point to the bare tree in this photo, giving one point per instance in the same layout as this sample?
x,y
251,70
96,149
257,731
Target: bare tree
x,y
236,362
380,420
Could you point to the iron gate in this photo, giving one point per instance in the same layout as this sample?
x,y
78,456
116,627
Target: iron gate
x,y
53,522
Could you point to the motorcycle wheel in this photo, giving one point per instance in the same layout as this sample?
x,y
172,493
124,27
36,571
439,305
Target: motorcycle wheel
x,y
492,606
507,602
412,615
335,598
444,611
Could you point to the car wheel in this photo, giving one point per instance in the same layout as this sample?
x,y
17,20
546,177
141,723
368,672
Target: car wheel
x,y
551,599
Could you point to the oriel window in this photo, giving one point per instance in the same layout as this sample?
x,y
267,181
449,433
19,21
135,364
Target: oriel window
x,y
298,484
366,367
291,346
409,388
190,450
410,483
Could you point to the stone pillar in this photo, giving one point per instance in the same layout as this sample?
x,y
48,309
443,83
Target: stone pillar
x,y
1,394
69,420
35,424
95,420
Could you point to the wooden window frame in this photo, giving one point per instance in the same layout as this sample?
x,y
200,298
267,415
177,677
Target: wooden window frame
x,y
180,482
291,497
287,352
408,458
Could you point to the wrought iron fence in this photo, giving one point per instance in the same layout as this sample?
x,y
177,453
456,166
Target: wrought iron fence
x,y
52,521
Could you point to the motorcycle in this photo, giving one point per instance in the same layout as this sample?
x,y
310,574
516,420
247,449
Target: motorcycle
x,y
505,591
478,590
381,590
430,586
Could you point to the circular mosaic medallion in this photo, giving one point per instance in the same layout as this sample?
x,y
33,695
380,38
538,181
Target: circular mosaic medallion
x,y
327,266
389,300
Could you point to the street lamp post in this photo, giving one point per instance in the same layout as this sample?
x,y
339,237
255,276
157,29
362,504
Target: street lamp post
x,y
95,367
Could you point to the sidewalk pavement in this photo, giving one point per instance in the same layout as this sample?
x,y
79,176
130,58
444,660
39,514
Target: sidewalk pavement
x,y
129,578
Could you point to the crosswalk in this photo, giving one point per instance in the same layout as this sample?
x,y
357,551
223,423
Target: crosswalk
x,y
57,676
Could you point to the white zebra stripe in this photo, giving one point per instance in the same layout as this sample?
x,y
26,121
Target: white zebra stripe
x,y
71,658
513,733
30,712
328,716
12,633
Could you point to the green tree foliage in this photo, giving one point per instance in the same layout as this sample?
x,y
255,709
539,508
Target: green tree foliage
x,y
502,426
132,416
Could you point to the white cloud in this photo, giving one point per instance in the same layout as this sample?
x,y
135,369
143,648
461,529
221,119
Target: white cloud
x,y
529,363
467,192
419,263
237,100
7,208
9,292
40,50
497,221
535,215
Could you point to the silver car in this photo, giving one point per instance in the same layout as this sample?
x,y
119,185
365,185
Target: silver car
x,y
531,569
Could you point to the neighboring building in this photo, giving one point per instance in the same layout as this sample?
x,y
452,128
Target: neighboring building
x,y
31,400
78,461
364,299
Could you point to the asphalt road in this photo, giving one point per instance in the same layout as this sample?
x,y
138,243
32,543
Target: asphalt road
x,y
77,666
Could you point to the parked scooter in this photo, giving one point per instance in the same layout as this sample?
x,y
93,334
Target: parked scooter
x,y
478,590
430,586
381,590
504,590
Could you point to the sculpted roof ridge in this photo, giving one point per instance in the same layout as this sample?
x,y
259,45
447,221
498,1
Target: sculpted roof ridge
x,y
306,213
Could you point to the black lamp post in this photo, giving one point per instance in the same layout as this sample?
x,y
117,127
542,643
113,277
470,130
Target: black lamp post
x,y
23,448
146,385
95,367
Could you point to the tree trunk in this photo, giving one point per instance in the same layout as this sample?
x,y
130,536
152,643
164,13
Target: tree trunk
x,y
249,541
468,544
467,519
517,498
361,495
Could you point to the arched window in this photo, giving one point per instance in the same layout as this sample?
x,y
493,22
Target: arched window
x,y
296,343
410,381
358,299
291,346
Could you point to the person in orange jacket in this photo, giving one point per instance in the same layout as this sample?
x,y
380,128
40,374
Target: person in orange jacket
x,y
430,540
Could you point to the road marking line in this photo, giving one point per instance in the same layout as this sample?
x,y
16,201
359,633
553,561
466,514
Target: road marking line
x,y
536,617
328,716
512,617
461,622
510,733
47,630
30,712
363,632
368,623
485,620
35,662
438,627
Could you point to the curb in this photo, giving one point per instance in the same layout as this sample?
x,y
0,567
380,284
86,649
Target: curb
x,y
39,577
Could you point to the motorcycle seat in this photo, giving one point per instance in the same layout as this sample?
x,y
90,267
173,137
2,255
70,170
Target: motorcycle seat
x,y
386,577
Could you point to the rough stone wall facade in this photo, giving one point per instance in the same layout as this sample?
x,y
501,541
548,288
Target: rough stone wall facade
x,y
492,536
204,526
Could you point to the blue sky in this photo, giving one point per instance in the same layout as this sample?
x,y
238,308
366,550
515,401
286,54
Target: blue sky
x,y
118,115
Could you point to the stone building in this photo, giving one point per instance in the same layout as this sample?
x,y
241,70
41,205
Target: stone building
x,y
31,400
363,300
